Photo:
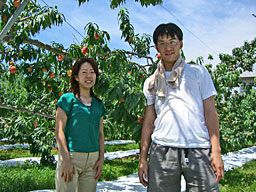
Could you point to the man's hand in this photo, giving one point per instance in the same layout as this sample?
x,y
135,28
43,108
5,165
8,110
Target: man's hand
x,y
146,132
218,165
143,172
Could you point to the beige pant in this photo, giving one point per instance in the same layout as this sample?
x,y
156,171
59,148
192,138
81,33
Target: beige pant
x,y
83,179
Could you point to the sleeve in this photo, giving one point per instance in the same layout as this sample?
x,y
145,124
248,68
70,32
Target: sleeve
x,y
150,98
65,102
207,87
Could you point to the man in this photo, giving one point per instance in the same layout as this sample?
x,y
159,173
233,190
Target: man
x,y
180,125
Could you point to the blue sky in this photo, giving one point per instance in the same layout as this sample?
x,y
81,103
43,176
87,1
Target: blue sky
x,y
209,27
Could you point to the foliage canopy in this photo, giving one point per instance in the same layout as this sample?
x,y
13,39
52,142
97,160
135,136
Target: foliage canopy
x,y
34,75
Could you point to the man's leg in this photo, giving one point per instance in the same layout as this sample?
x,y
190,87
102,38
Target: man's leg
x,y
164,169
198,172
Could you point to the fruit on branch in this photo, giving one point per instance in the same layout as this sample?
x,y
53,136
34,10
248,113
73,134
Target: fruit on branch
x,y
60,57
140,120
45,70
84,50
96,36
158,56
69,73
11,63
52,75
4,18
16,3
12,69
35,124
30,69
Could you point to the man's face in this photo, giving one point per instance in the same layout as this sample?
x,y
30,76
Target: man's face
x,y
169,48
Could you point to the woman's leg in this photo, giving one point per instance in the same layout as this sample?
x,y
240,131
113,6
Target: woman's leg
x,y
86,180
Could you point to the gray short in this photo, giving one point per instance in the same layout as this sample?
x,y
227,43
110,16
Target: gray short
x,y
166,164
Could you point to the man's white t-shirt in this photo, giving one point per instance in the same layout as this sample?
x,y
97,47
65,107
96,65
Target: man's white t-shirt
x,y
180,120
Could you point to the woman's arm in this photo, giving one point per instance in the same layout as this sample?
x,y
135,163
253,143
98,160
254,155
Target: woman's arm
x,y
99,163
61,120
101,140
67,166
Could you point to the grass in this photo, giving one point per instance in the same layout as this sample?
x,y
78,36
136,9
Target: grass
x,y
6,143
113,169
32,177
14,153
26,178
124,147
29,177
242,179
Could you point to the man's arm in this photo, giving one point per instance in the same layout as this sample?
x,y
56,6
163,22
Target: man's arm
x,y
147,130
212,123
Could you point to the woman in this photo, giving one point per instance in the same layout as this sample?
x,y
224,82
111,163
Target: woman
x,y
79,131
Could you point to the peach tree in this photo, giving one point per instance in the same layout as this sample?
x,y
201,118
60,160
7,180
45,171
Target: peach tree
x,y
236,100
34,75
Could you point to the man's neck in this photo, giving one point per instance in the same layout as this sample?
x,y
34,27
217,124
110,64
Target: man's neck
x,y
168,65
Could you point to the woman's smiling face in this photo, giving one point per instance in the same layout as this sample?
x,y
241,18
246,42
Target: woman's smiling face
x,y
86,76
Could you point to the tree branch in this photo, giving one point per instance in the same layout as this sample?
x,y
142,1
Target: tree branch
x,y
143,68
43,46
26,111
38,44
138,55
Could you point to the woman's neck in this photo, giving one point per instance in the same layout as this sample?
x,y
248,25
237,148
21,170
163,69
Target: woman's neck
x,y
85,97
85,93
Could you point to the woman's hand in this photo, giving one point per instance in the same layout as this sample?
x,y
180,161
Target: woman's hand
x,y
98,167
67,170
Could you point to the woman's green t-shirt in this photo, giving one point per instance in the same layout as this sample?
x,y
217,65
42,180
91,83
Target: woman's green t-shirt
x,y
83,123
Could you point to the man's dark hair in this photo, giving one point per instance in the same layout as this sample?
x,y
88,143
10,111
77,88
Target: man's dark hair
x,y
167,29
